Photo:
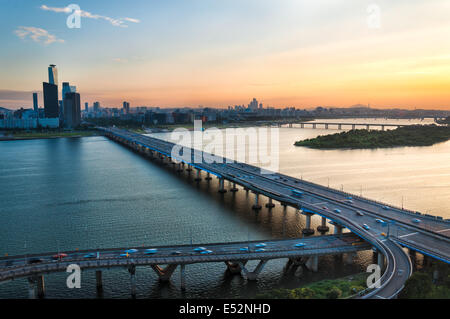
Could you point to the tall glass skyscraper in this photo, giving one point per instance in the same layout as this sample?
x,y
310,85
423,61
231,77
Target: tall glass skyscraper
x,y
52,74
35,103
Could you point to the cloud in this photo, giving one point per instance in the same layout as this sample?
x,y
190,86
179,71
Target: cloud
x,y
37,35
120,60
120,22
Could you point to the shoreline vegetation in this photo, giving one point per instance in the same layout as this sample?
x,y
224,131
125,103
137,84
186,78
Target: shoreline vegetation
x,y
47,134
340,288
415,135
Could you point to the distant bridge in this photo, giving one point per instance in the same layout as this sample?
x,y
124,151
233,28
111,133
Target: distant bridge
x,y
339,125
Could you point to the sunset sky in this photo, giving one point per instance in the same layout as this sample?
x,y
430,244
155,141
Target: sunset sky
x,y
225,52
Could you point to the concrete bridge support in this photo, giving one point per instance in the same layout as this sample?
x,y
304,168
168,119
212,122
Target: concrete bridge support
x,y
183,277
302,125
32,290
252,275
256,206
132,271
323,228
382,127
353,126
208,177
313,263
326,126
234,188
338,229
164,274
308,230
222,186
270,204
198,178
235,268
98,279
339,126
368,127
39,283
314,125
348,260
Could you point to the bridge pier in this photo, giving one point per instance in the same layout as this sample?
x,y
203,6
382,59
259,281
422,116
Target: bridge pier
x,y
235,268
326,126
234,188
270,204
338,229
314,125
132,271
98,279
32,290
208,177
183,277
353,126
313,263
323,228
308,230
164,274
256,206
349,258
221,186
40,283
382,127
302,125
198,178
189,168
339,126
252,275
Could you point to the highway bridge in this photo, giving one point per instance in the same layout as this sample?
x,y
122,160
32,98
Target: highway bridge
x,y
235,255
341,125
386,227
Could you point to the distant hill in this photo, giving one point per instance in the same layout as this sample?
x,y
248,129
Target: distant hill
x,y
4,109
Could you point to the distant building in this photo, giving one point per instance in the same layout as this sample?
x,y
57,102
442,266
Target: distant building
x,y
51,106
96,106
86,107
35,103
126,107
72,110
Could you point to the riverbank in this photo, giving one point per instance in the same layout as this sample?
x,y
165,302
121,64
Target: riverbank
x,y
14,136
417,135
340,288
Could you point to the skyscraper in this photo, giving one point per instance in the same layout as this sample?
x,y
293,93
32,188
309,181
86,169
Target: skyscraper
x,y
96,106
72,110
86,106
126,107
52,74
35,103
51,107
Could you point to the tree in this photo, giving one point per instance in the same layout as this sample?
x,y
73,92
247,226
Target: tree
x,y
334,293
419,285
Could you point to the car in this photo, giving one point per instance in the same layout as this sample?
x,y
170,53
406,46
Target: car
x,y
324,207
243,249
176,252
338,211
359,213
131,251
206,252
297,193
349,198
348,201
299,245
34,260
379,221
366,227
199,249
383,234
385,208
123,255
59,256
90,255
416,220
259,250
151,251
260,245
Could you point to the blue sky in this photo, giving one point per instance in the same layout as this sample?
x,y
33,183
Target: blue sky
x,y
217,53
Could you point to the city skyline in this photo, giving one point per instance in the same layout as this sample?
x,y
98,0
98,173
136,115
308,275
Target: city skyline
x,y
293,53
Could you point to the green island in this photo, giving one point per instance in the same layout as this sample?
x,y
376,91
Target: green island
x,y
415,135
325,289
